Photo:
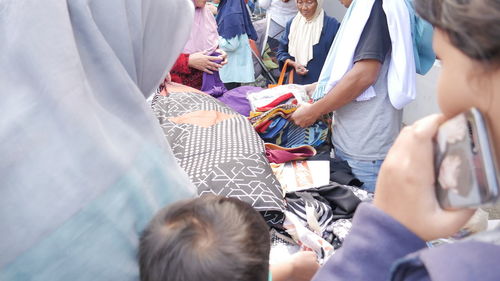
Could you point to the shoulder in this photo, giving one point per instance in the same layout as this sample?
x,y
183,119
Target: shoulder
x,y
330,24
289,23
330,20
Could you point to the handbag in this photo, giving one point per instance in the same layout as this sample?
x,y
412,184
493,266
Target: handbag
x,y
282,76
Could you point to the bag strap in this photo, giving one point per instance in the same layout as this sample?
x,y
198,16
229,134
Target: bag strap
x,y
282,74
281,80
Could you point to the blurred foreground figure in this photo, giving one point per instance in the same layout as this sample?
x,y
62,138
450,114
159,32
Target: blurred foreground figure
x,y
84,164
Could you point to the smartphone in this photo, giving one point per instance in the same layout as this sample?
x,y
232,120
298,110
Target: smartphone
x,y
465,165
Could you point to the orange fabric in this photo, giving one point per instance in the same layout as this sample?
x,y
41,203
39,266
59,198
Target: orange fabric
x,y
173,87
202,118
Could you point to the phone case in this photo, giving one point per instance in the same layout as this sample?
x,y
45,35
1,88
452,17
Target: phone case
x,y
466,173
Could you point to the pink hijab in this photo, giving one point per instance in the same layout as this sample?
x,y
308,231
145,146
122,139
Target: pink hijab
x,y
204,35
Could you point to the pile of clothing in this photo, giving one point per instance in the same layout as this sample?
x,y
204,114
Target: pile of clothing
x,y
271,120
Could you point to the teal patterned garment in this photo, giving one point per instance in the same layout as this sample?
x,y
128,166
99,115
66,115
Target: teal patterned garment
x,y
84,165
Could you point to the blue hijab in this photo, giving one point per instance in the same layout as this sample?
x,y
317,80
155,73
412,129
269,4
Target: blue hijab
x,y
233,19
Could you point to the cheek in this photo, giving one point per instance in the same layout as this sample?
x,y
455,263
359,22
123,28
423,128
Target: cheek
x,y
454,94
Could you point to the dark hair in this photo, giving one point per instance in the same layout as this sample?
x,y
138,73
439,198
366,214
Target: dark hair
x,y
209,238
473,26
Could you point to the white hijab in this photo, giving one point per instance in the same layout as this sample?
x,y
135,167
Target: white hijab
x,y
305,34
84,164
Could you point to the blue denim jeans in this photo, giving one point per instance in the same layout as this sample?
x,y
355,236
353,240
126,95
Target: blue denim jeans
x,y
365,170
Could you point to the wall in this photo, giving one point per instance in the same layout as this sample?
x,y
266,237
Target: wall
x,y
333,8
426,101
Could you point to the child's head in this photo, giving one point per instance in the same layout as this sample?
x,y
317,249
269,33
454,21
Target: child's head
x,y
209,238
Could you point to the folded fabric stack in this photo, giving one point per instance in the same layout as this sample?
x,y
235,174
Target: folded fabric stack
x,y
272,124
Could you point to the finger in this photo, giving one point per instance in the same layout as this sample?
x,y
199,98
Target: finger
x,y
215,58
208,71
215,66
210,67
426,128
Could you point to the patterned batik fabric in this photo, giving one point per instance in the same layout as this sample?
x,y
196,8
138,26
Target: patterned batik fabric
x,y
220,151
274,127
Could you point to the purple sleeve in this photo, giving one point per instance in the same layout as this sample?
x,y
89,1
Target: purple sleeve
x,y
376,241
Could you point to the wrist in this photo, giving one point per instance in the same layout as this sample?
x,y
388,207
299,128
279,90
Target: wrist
x,y
316,110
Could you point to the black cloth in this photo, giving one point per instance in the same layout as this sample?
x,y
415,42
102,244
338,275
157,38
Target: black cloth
x,y
330,203
341,200
341,172
375,41
232,85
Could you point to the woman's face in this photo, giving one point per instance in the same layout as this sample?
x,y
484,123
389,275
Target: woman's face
x,y
307,8
199,3
464,83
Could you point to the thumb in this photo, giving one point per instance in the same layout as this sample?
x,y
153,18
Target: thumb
x,y
453,221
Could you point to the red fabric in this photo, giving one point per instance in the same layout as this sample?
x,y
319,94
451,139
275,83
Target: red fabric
x,y
183,74
278,154
263,126
276,102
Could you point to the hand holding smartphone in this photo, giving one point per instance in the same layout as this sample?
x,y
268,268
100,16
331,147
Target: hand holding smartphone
x,y
465,166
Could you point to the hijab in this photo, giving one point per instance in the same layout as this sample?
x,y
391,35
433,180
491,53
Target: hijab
x,y
305,34
233,19
84,164
204,35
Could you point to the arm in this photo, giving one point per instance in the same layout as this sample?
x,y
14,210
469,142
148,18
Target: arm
x,y
371,50
229,45
405,212
283,56
198,61
375,242
361,76
301,266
